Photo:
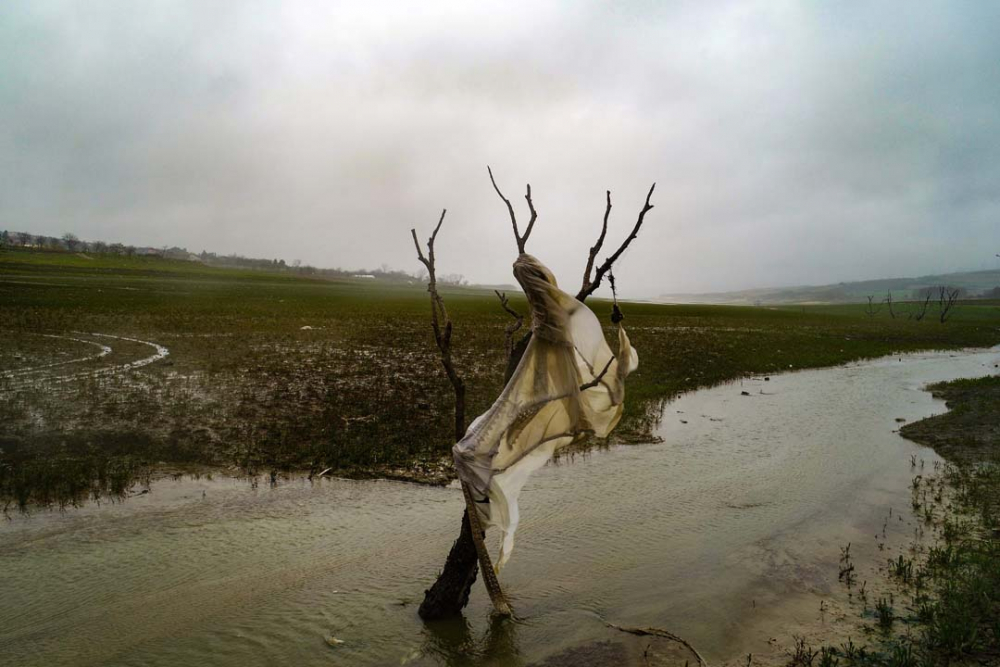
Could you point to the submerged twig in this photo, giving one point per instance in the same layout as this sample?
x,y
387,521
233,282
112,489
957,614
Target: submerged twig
x,y
665,634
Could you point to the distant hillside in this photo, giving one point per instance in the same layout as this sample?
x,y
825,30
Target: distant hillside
x,y
71,244
974,284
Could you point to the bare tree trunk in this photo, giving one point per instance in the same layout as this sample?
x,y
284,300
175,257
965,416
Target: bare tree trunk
x,y
450,592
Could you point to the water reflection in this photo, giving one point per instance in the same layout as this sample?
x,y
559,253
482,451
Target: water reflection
x,y
454,643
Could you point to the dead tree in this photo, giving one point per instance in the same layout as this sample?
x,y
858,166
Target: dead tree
x,y
450,593
923,310
947,298
441,324
888,302
870,310
447,593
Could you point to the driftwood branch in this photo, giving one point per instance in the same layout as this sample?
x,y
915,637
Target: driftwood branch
x,y
521,240
590,286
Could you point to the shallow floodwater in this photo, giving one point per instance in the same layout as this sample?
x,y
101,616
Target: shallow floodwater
x,y
724,534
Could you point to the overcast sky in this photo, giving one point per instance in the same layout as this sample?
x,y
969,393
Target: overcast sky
x,y
791,142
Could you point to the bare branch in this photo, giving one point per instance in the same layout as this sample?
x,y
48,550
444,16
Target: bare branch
x,y
429,260
505,304
511,328
923,310
442,325
597,380
531,222
870,310
947,300
587,290
521,240
596,248
510,209
416,243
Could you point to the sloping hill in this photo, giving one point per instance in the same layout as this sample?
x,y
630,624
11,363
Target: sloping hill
x,y
972,283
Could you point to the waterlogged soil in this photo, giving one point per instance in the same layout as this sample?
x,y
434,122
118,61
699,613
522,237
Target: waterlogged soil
x,y
970,430
272,372
728,533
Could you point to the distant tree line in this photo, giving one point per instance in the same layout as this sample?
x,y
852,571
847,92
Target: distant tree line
x,y
71,243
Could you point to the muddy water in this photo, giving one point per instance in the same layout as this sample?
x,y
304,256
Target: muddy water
x,y
728,533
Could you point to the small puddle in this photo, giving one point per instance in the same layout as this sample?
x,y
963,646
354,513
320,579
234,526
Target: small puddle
x,y
728,534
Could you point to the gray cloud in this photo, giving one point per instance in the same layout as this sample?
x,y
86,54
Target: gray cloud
x,y
791,142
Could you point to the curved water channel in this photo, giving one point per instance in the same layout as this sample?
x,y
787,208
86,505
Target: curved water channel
x,y
727,533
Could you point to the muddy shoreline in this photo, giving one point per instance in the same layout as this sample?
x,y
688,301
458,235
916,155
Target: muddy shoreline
x,y
970,430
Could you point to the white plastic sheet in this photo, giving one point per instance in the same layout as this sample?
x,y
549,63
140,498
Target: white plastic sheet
x,y
543,408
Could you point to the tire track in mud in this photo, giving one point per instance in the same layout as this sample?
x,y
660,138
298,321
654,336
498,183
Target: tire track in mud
x,y
105,351
20,381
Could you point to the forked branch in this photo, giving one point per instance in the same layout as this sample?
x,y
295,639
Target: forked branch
x,y
871,310
441,324
511,328
947,298
521,240
590,286
596,248
597,380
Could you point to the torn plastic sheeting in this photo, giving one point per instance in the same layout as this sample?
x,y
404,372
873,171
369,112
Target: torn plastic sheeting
x,y
543,408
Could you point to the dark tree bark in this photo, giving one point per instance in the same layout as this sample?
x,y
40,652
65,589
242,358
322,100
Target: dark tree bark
x,y
450,593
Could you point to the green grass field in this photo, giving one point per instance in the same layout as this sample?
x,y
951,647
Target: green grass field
x,y
362,392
